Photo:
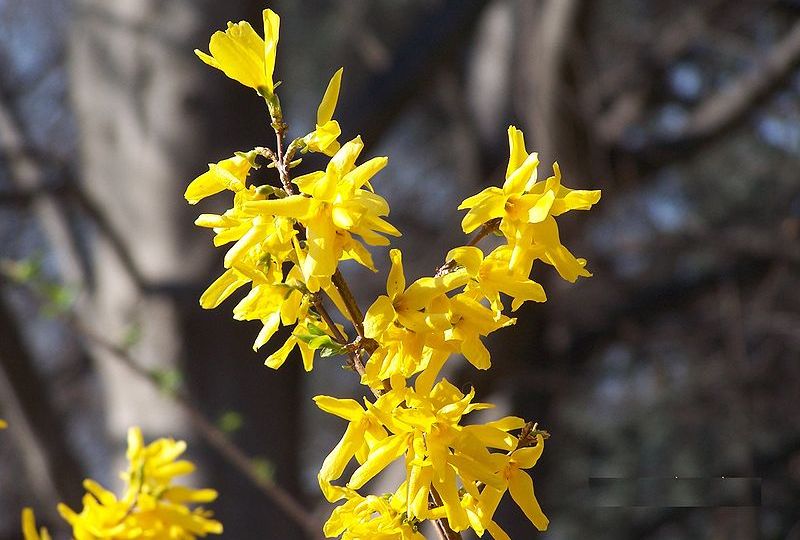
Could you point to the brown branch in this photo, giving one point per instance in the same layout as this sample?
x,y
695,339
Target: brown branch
x,y
27,175
724,109
51,462
486,229
354,312
213,435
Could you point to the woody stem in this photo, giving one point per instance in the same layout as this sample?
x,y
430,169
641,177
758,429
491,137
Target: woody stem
x,y
354,312
485,230
355,315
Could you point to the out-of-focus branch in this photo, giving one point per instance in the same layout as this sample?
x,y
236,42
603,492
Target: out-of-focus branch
x,y
724,109
51,463
27,176
443,33
547,47
213,435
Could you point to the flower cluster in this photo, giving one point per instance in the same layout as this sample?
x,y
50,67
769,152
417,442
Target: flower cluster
x,y
151,506
287,237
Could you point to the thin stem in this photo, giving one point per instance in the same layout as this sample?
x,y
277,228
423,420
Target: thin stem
x,y
485,230
354,313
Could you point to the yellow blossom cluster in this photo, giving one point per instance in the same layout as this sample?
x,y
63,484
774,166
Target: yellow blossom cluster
x,y
151,506
287,236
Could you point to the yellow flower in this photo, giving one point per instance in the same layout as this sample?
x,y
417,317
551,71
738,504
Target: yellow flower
x,y
243,55
470,320
151,506
425,428
29,531
323,138
373,518
493,274
3,424
509,203
366,430
518,483
331,203
228,174
405,320
526,209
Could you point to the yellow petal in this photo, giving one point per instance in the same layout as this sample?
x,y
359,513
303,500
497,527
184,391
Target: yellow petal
x,y
522,177
380,456
525,458
496,532
349,409
29,531
277,359
541,209
295,206
270,326
476,353
576,199
517,151
359,176
343,452
239,53
396,282
445,484
272,25
470,257
329,100
344,160
378,318
520,485
485,206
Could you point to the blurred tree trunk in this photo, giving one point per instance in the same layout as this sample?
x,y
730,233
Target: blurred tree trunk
x,y
144,105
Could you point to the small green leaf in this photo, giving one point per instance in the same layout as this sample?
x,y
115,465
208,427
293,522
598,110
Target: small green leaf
x,y
334,349
230,421
169,380
264,469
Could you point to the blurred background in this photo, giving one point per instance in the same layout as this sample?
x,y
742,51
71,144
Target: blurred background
x,y
670,381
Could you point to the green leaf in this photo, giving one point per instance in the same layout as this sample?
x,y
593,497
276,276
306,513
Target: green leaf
x,y
230,421
264,469
334,349
169,380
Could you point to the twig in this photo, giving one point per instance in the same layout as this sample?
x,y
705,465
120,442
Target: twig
x,y
354,312
730,105
485,230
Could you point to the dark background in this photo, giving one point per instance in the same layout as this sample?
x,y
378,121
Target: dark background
x,y
676,365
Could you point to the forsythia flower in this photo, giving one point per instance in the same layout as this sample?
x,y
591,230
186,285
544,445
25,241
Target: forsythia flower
x,y
332,206
439,452
406,320
243,55
492,275
151,506
228,174
526,209
287,244
376,518
323,138
29,531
